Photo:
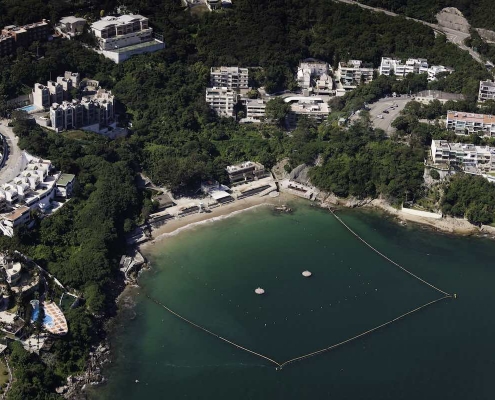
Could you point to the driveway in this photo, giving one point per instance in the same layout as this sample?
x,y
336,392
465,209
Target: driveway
x,y
378,109
15,161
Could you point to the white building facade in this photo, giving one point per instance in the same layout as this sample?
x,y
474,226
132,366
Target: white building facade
x,y
229,77
487,91
463,123
121,37
354,72
221,100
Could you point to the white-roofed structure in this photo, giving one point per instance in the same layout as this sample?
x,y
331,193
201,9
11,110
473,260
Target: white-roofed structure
x,y
124,36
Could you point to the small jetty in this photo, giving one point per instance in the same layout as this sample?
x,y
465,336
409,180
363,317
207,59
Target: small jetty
x,y
307,274
259,291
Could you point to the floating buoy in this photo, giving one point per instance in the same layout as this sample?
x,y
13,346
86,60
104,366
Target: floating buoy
x,y
259,291
306,274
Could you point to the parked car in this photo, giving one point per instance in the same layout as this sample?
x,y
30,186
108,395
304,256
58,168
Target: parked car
x,y
386,111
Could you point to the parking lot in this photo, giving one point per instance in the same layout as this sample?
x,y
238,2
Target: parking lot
x,y
384,112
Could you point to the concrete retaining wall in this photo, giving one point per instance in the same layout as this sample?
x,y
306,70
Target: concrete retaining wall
x,y
423,214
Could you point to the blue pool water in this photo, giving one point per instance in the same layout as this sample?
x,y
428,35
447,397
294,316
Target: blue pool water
x,y
48,320
28,108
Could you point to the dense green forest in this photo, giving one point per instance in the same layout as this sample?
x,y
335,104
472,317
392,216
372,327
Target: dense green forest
x,y
178,141
477,12
472,197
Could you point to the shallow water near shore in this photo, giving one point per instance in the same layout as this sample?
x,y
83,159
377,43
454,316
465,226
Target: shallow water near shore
x,y
208,274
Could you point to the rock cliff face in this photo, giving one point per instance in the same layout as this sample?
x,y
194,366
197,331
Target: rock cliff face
x,y
452,18
486,35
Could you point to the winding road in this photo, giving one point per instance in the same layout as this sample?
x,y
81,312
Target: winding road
x,y
15,161
453,36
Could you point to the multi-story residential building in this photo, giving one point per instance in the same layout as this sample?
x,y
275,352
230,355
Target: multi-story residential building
x,y
14,36
354,72
32,190
221,100
245,172
229,77
65,185
394,66
27,34
487,91
255,109
55,92
41,96
467,157
463,123
91,113
121,37
311,107
71,26
7,44
308,70
435,70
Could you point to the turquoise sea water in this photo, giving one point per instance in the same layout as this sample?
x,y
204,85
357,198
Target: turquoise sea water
x,y
209,274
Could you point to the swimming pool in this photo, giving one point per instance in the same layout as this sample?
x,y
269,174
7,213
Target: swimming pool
x,y
29,108
48,320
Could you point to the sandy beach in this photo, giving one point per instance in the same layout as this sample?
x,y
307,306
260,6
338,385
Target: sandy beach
x,y
175,226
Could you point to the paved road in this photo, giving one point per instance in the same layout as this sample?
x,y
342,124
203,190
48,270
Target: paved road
x,y
15,162
456,37
386,104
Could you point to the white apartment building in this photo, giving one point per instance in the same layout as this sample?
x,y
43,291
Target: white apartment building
x,y
394,66
308,70
311,107
468,157
221,100
435,70
41,96
70,26
121,37
55,92
229,77
487,91
32,190
351,73
255,109
463,123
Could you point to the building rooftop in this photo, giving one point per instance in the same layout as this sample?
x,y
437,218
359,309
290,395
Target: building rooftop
x,y
65,179
470,117
239,167
71,20
16,213
121,20
487,83
440,95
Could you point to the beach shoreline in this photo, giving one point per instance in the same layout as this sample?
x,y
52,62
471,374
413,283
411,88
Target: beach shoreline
x,y
176,226
452,225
